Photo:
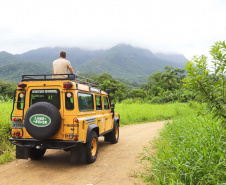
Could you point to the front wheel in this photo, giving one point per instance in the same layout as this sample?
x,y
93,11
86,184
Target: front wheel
x,y
92,148
36,154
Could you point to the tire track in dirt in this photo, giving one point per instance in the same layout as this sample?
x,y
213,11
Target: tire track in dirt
x,y
113,166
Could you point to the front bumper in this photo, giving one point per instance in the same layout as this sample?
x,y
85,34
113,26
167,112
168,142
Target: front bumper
x,y
46,144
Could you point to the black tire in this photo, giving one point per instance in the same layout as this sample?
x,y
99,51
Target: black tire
x,y
113,136
36,154
45,110
92,146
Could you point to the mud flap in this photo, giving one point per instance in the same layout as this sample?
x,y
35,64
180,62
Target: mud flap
x,y
78,155
22,152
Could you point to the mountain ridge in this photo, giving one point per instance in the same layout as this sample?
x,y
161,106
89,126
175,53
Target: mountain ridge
x,y
121,61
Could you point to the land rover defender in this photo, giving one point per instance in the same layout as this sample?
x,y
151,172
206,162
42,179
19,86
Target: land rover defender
x,y
61,113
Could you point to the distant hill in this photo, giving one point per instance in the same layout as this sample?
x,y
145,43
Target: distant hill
x,y
127,62
7,58
176,58
75,55
122,61
14,71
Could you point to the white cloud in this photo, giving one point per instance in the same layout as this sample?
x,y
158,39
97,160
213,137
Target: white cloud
x,y
182,26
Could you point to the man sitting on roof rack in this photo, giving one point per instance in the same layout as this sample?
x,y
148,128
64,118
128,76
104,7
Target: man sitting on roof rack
x,y
61,66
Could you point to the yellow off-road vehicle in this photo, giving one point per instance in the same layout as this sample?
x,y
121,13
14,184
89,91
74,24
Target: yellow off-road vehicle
x,y
61,113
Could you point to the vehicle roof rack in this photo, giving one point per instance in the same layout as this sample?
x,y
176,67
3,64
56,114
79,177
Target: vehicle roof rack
x,y
49,77
87,81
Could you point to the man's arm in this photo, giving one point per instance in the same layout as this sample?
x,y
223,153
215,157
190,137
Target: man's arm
x,y
71,70
52,70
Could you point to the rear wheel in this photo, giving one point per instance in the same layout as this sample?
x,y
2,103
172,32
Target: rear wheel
x,y
36,154
92,148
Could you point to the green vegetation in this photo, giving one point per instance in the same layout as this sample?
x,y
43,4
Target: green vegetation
x,y
209,85
162,87
127,62
6,90
190,150
131,113
118,90
13,72
7,150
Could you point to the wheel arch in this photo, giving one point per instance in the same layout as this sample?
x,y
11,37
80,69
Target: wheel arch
x,y
116,121
92,127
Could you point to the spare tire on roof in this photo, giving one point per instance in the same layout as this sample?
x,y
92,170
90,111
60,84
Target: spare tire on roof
x,y
42,120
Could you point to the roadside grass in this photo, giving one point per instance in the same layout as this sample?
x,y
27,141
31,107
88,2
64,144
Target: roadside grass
x,y
190,150
7,150
146,112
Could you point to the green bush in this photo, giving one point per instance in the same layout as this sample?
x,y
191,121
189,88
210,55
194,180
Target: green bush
x,y
208,84
7,89
157,99
127,101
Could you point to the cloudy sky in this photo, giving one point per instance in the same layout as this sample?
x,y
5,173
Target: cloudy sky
x,y
189,27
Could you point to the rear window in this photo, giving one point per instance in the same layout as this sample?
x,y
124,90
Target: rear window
x,y
45,95
85,102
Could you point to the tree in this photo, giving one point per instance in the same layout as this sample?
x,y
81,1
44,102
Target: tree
x,y
209,84
118,90
138,93
167,81
7,89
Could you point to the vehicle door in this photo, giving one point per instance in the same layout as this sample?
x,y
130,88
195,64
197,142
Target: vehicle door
x,y
107,113
100,113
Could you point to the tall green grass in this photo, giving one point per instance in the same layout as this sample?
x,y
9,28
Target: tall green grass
x,y
6,148
146,112
190,150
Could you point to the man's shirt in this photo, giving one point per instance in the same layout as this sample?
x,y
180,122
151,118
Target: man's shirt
x,y
61,66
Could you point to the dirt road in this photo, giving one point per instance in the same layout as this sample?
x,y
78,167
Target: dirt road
x,y
113,166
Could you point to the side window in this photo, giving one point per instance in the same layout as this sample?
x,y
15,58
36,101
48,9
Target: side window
x,y
98,102
106,105
20,101
69,101
85,102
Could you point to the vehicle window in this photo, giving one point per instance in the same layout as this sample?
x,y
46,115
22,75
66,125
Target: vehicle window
x,y
45,95
20,101
85,102
69,101
98,102
106,105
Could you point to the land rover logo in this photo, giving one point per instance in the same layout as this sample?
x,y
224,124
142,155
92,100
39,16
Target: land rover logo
x,y
40,120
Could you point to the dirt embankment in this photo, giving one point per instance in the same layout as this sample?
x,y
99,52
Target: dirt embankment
x,y
113,166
